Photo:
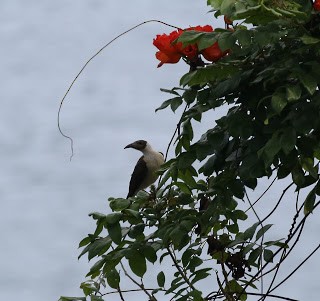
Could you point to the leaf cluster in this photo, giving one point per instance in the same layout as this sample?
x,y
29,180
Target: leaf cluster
x,y
269,86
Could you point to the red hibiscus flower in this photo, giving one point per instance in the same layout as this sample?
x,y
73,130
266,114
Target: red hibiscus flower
x,y
316,5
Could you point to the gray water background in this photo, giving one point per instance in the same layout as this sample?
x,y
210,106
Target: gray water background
x,y
45,199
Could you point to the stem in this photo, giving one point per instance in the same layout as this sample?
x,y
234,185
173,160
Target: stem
x,y
298,267
86,64
184,276
227,294
137,283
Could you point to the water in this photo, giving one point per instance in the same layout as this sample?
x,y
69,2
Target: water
x,y
45,198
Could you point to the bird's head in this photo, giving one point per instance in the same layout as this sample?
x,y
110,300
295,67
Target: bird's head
x,y
138,145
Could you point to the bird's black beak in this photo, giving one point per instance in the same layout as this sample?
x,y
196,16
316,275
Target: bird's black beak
x,y
131,145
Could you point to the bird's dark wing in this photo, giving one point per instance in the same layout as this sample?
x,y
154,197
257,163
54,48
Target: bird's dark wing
x,y
137,177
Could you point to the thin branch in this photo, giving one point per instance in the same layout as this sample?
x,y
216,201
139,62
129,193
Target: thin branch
x,y
86,64
278,203
255,277
298,267
175,132
228,295
284,254
184,276
130,291
261,196
120,293
220,295
136,282
171,141
260,223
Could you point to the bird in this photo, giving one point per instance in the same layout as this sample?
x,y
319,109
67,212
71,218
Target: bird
x,y
145,171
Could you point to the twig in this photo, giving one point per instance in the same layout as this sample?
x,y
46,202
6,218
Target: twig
x,y
86,64
130,291
221,295
184,276
261,196
284,255
120,293
262,238
228,294
298,267
280,249
278,203
136,282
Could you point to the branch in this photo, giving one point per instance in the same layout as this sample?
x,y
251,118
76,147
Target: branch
x,y
137,283
278,203
86,64
220,295
184,276
298,267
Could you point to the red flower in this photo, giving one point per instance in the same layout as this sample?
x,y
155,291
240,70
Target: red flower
x,y
213,53
170,52
206,28
316,5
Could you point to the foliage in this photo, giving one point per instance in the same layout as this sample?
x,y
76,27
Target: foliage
x,y
195,220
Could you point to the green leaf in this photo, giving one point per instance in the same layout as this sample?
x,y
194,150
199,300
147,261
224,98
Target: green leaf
x,y
161,278
278,102
97,215
243,36
95,298
268,255
200,274
233,228
88,287
149,253
227,6
190,37
175,103
97,247
271,149
137,263
308,82
85,241
263,230
308,40
288,140
254,254
195,261
248,234
137,230
113,218
298,176
207,40
226,40
63,298
309,202
293,92
239,214
172,91
189,95
119,204
95,269
113,278
115,232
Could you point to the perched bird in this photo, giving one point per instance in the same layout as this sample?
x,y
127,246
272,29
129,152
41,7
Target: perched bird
x,y
144,173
